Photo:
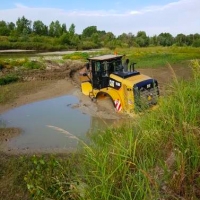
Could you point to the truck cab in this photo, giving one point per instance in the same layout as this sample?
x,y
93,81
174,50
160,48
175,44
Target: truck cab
x,y
128,90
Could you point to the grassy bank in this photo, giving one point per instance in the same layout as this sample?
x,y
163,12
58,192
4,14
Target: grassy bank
x,y
144,57
38,177
149,57
156,158
160,56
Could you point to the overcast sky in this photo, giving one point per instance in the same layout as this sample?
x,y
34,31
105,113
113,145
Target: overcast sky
x,y
117,16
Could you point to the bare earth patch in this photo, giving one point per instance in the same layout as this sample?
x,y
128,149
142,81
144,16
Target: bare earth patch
x,y
165,75
44,89
6,134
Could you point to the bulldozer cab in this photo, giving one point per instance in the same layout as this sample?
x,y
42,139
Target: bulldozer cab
x,y
128,89
102,67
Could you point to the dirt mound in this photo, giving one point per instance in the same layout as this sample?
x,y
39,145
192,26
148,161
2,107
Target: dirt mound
x,y
52,71
64,80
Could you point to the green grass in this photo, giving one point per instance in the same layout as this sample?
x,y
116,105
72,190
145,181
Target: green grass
x,y
160,56
144,57
156,158
84,55
76,56
33,65
52,177
9,78
12,185
38,177
150,57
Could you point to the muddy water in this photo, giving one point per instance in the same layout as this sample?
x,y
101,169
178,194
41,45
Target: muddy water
x,y
39,120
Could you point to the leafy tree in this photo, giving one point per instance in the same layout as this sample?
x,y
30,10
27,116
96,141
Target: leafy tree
x,y
196,40
3,24
52,29
141,42
196,43
110,40
87,32
65,39
109,36
23,26
101,33
75,41
4,29
11,26
141,34
130,40
55,29
90,37
95,38
123,37
196,36
189,39
64,28
39,28
127,39
141,39
165,39
72,30
180,39
112,44
153,41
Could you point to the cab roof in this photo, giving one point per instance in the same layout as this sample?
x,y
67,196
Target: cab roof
x,y
105,57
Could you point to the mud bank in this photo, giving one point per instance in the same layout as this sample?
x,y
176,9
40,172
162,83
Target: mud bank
x,y
65,81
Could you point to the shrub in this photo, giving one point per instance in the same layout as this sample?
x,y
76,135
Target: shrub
x,y
89,45
10,78
33,65
76,56
196,43
50,178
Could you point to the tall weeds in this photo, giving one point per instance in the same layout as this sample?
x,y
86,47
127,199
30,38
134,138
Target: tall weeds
x,y
152,157
158,157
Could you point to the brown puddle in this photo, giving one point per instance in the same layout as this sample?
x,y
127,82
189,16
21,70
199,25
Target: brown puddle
x,y
42,124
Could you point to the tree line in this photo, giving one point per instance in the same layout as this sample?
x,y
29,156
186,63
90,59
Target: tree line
x,y
25,34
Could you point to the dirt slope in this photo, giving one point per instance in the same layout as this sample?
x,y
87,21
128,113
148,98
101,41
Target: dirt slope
x,y
64,79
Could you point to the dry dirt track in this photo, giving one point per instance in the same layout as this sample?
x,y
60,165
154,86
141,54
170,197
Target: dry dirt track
x,y
165,75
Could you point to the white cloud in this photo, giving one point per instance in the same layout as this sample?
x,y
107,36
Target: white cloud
x,y
99,13
19,5
177,17
135,12
181,4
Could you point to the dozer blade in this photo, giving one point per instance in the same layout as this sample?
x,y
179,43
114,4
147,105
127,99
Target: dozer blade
x,y
86,88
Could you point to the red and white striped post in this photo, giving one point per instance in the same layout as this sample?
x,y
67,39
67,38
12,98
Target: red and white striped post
x,y
118,105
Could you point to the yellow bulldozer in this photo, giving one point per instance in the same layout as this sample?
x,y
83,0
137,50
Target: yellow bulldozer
x,y
129,90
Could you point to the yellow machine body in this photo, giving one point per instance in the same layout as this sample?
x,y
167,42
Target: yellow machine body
x,y
121,87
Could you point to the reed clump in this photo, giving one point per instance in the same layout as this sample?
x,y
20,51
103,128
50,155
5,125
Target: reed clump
x,y
157,157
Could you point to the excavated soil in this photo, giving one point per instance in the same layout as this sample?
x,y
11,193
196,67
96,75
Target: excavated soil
x,y
65,80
